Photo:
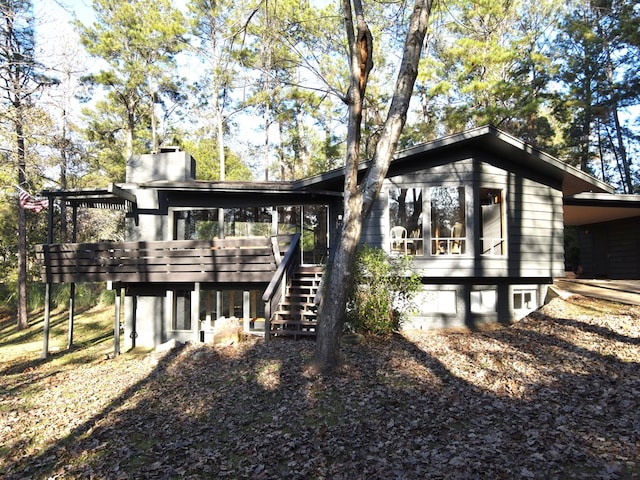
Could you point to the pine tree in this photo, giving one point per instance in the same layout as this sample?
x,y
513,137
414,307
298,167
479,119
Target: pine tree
x,y
20,80
138,40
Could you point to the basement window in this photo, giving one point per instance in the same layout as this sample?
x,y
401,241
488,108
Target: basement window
x,y
524,300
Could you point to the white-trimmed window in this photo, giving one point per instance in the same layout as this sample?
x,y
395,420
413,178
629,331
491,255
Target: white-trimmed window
x,y
405,221
436,301
492,224
448,221
525,300
483,301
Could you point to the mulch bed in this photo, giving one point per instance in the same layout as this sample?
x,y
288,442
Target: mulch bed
x,y
556,395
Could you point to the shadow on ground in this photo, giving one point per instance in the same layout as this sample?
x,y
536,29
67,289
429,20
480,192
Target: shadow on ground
x,y
546,398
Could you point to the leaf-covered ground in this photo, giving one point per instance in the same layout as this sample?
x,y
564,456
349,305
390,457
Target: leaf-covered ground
x,y
556,395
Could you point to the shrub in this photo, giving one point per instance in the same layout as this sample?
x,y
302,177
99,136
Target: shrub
x,y
381,292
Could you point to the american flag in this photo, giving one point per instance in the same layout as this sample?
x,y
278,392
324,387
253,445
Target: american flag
x,y
29,202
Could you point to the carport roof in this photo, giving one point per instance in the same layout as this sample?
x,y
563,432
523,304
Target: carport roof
x,y
589,207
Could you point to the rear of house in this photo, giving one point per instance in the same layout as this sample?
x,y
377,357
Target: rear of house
x,y
480,213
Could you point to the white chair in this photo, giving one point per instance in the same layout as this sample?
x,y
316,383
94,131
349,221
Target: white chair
x,y
399,240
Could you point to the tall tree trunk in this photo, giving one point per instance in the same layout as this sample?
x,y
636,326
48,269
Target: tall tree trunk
x,y
131,132
23,321
627,181
221,158
267,121
64,166
358,199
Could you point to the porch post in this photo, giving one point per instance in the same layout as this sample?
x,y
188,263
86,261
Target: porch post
x,y
116,322
72,287
47,291
195,312
246,311
47,317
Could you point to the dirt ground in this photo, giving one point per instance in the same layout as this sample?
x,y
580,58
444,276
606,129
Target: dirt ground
x,y
556,395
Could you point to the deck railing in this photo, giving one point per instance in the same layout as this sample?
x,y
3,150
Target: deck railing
x,y
276,288
230,260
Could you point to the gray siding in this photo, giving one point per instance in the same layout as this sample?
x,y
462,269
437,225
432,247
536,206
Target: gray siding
x,y
611,249
534,223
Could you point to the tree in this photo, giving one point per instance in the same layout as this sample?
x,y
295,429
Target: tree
x,y
290,53
490,65
598,51
217,31
138,41
20,80
206,152
360,195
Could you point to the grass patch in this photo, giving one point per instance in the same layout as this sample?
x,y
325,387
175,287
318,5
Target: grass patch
x,y
21,350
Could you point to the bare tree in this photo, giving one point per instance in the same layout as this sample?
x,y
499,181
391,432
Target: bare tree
x,y
359,196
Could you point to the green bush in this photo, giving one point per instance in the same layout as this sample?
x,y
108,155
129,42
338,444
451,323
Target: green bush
x,y
381,292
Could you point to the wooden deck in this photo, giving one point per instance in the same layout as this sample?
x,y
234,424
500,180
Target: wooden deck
x,y
232,260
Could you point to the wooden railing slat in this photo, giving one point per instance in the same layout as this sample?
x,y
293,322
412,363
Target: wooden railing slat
x,y
239,260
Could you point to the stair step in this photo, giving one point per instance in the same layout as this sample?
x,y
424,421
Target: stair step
x,y
297,313
303,323
311,269
299,302
292,333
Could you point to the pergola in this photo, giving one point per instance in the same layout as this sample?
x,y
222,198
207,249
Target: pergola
x,y
113,198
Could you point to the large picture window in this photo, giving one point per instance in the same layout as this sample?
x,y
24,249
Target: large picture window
x,y
311,220
448,222
492,235
405,221
238,222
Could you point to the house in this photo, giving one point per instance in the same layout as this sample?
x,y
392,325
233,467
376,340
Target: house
x,y
481,213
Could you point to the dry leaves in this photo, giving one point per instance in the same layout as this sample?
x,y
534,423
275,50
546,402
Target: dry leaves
x,y
554,396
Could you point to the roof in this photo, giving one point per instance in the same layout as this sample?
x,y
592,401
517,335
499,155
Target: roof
x,y
259,192
494,141
586,199
588,207
113,197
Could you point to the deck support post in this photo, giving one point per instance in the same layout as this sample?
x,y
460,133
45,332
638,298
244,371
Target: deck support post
x,y
47,318
195,312
72,303
246,311
72,287
116,322
47,291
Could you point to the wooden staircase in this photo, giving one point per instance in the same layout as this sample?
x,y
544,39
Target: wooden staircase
x,y
296,315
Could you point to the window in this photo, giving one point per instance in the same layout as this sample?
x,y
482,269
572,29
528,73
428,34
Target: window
x,y
311,220
524,299
492,236
247,305
405,221
238,222
230,303
315,234
448,222
436,301
483,301
181,318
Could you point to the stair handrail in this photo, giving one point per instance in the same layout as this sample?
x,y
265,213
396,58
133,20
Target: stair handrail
x,y
273,294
